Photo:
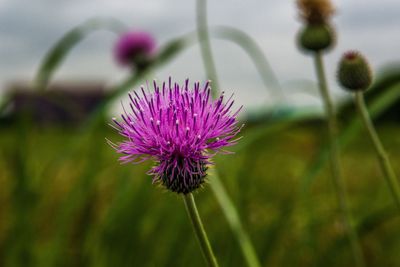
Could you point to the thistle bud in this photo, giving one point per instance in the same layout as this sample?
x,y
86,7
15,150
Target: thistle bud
x,y
315,11
354,72
135,49
181,182
316,37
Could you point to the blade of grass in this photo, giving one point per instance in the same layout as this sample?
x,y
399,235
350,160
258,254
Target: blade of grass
x,y
233,218
60,50
205,45
20,239
377,107
224,201
249,45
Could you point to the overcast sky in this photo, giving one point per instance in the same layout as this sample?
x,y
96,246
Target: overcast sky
x,y
28,28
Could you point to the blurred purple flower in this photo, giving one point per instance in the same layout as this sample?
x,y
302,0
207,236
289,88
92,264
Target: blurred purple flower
x,y
180,128
134,48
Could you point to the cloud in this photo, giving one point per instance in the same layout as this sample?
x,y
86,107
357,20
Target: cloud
x,y
29,28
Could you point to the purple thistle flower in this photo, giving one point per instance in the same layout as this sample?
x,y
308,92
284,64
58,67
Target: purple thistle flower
x,y
180,128
134,48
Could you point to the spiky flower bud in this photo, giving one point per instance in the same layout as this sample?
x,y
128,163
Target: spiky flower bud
x,y
316,37
354,72
315,11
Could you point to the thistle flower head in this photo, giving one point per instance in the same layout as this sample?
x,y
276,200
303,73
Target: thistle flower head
x,y
354,72
178,127
315,11
134,48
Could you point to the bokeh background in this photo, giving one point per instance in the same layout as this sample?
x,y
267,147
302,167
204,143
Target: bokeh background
x,y
29,29
66,201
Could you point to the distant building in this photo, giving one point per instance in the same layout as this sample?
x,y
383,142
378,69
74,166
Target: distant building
x,y
62,103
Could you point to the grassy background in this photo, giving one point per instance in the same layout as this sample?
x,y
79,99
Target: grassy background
x,y
66,201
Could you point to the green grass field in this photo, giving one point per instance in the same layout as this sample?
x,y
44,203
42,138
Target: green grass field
x,y
66,201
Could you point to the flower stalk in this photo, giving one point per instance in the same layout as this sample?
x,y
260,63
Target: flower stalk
x,y
180,128
384,162
198,228
338,181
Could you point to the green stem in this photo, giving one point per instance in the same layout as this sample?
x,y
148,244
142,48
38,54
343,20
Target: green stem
x,y
384,162
338,181
204,39
199,230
